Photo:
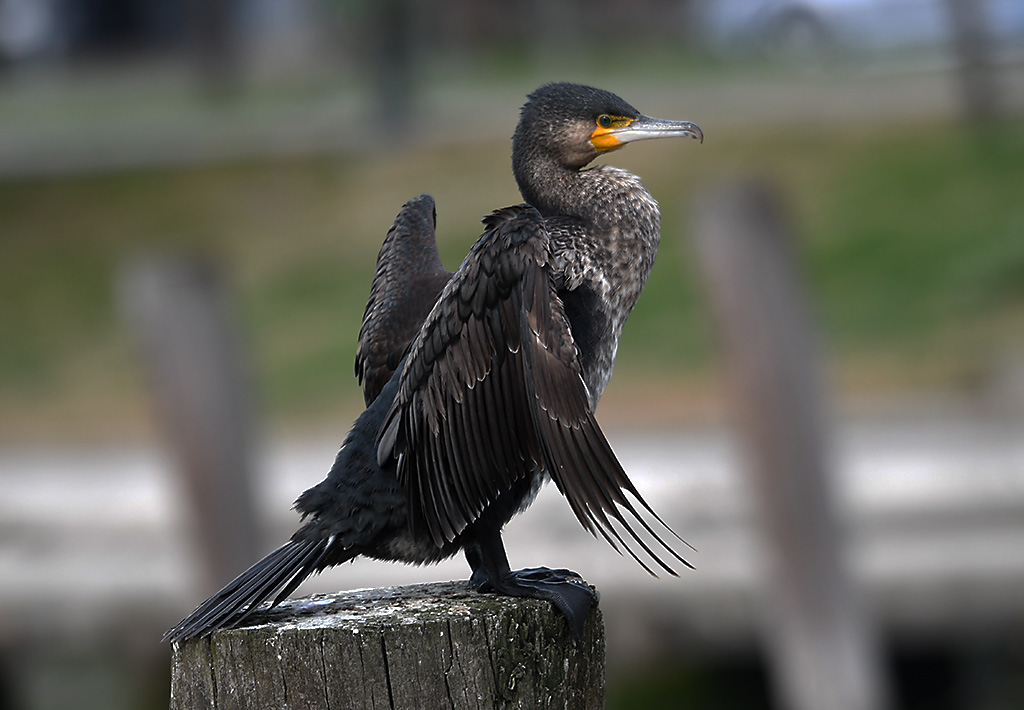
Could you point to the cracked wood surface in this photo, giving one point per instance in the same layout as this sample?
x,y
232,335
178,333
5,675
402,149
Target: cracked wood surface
x,y
430,646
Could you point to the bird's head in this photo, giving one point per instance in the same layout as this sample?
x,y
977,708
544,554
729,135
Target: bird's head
x,y
573,124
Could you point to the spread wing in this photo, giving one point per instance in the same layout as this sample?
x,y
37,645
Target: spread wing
x,y
493,390
409,279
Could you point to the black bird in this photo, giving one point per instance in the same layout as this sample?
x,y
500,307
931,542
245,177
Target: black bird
x,y
482,384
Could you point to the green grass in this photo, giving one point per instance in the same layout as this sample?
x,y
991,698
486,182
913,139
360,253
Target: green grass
x,y
930,236
913,240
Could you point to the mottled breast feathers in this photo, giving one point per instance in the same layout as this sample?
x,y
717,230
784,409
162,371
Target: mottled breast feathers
x,y
493,391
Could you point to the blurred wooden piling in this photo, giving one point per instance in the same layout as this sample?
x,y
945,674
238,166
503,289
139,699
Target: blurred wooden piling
x,y
438,646
179,312
819,640
976,69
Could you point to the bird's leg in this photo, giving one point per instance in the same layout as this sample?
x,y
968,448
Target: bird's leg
x,y
480,580
563,588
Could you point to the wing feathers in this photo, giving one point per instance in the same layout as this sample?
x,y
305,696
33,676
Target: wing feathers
x,y
407,282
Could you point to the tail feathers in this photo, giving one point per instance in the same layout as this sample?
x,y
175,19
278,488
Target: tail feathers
x,y
279,572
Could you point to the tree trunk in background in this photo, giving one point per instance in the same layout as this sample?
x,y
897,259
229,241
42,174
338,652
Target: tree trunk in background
x,y
975,66
213,43
392,28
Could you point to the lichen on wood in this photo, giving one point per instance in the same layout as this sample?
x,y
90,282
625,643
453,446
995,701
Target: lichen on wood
x,y
424,646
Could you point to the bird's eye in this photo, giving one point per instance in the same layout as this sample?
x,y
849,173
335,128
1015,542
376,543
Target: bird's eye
x,y
604,120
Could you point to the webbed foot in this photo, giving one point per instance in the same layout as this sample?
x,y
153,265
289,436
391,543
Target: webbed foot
x,y
562,587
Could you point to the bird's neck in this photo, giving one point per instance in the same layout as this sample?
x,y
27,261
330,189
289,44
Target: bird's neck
x,y
605,250
605,199
552,188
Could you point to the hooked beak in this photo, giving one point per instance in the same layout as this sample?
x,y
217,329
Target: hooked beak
x,y
643,128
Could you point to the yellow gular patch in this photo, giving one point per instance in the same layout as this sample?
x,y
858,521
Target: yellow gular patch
x,y
602,136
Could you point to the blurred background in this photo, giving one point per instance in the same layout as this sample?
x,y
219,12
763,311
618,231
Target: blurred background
x,y
192,196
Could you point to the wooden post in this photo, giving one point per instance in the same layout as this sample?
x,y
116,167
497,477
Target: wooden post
x,y
819,641
198,376
393,65
437,646
214,44
973,48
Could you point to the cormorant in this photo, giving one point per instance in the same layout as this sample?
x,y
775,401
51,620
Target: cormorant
x,y
482,384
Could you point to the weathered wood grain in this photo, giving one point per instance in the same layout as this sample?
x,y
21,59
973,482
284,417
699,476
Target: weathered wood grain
x,y
419,647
